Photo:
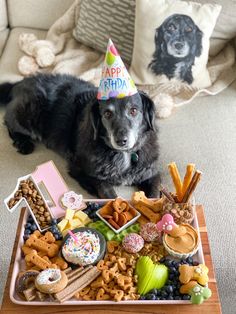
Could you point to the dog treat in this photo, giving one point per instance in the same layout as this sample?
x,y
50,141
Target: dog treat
x,y
188,177
147,212
176,180
117,212
24,280
78,284
140,198
51,281
72,200
184,289
133,243
199,294
39,208
30,293
51,250
149,232
198,273
41,296
192,186
40,262
182,213
77,273
60,262
167,194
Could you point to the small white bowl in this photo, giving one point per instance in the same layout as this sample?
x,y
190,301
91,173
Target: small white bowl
x,y
123,227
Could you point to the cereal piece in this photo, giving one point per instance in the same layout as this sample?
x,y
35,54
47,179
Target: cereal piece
x,y
107,209
121,263
101,295
122,220
107,275
111,246
117,295
84,291
115,217
101,265
120,205
99,282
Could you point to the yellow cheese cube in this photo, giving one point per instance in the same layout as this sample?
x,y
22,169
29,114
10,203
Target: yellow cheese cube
x,y
75,223
81,215
64,232
87,221
62,224
69,213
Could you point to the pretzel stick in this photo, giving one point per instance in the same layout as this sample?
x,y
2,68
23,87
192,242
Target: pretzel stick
x,y
192,186
176,179
187,177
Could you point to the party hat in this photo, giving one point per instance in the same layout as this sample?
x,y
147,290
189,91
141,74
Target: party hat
x,y
116,81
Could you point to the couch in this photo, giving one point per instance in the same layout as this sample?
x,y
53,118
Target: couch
x,y
203,132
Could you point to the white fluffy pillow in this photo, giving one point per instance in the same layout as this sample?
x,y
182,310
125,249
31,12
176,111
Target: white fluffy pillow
x,y
172,42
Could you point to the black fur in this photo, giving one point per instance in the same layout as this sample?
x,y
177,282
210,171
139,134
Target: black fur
x,y
177,32
63,112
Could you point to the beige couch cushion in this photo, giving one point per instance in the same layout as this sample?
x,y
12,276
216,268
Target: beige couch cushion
x,y
12,53
36,14
3,37
3,15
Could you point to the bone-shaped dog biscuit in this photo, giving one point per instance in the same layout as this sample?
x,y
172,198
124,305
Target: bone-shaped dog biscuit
x,y
51,250
40,262
48,237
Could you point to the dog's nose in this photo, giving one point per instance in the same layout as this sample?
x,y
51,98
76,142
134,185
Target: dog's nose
x,y
121,141
179,45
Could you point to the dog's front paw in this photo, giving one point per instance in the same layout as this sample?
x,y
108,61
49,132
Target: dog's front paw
x,y
24,148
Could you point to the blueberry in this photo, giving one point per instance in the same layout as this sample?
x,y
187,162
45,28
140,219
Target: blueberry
x,y
158,298
142,297
153,291
186,297
27,232
162,260
27,225
26,237
177,297
164,294
96,206
171,276
54,221
33,227
30,219
173,270
162,298
170,297
189,260
56,236
168,263
169,289
158,293
54,229
150,296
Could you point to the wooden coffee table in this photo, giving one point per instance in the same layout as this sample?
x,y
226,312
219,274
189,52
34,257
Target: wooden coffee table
x,y
210,306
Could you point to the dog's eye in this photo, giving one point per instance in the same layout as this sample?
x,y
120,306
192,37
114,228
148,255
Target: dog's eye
x,y
133,112
108,114
188,29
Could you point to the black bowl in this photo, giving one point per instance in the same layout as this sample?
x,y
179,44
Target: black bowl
x,y
103,243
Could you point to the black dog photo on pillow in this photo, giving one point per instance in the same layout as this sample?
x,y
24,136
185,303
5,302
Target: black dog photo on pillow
x,y
177,42
174,44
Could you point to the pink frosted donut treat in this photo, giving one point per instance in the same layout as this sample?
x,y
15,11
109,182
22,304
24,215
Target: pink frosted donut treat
x,y
71,200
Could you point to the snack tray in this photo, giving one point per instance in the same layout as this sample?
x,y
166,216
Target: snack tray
x,y
18,262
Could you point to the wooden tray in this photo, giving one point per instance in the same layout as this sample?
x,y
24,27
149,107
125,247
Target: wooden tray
x,y
18,263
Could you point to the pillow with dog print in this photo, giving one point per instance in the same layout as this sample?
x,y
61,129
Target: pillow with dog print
x,y
173,46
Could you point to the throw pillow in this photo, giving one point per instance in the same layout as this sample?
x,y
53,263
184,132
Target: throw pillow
x,y
174,44
100,20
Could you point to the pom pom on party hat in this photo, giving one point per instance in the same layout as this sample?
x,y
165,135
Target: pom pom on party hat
x,y
116,81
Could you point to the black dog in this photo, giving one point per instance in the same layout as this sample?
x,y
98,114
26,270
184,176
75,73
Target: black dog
x,y
107,143
178,41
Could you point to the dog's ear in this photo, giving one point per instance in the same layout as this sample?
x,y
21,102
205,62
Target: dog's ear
x,y
148,110
95,118
198,43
